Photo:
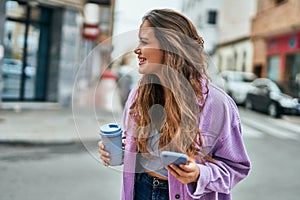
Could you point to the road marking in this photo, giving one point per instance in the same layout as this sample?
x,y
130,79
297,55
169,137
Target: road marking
x,y
270,129
251,132
287,125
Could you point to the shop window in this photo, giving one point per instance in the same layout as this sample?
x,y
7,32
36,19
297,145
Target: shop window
x,y
273,67
25,52
291,78
15,9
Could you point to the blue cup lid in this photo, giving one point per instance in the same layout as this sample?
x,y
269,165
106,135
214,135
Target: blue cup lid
x,y
110,130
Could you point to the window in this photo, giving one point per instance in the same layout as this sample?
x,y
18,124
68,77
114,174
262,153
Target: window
x,y
212,17
100,2
26,36
273,68
199,21
279,1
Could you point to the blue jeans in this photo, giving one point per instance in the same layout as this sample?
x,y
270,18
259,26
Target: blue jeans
x,y
147,187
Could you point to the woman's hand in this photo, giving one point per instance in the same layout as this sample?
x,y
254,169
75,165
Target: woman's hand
x,y
104,155
185,173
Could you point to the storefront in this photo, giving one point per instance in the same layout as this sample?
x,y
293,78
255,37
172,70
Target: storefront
x,y
26,44
284,60
42,48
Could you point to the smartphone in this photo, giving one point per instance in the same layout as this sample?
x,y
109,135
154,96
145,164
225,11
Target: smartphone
x,y
169,157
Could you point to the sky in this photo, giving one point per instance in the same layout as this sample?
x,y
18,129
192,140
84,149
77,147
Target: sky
x,y
128,17
129,13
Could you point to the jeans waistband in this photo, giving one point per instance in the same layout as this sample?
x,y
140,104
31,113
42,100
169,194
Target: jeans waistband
x,y
155,182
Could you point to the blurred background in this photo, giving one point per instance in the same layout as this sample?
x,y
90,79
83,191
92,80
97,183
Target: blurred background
x,y
67,67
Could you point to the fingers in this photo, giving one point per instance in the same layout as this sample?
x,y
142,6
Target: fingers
x,y
100,145
105,160
190,167
104,155
175,171
183,176
185,173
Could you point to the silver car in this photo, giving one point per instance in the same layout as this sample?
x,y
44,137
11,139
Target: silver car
x,y
237,84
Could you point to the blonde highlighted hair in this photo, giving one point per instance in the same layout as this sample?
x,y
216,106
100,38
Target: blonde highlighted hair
x,y
182,95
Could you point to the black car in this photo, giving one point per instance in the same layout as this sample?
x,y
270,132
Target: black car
x,y
266,96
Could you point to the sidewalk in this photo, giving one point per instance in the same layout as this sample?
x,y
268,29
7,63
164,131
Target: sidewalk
x,y
53,126
37,123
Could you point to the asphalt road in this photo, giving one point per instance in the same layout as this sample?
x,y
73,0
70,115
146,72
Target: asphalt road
x,y
74,172
64,172
273,146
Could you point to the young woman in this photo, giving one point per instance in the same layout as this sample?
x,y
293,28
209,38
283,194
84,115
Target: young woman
x,y
176,108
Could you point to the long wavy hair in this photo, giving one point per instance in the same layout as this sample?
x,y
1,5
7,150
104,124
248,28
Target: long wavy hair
x,y
174,107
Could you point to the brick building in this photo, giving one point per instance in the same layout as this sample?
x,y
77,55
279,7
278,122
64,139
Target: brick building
x,y
276,38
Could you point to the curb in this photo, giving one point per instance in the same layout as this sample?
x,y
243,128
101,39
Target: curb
x,y
49,142
293,118
21,142
19,106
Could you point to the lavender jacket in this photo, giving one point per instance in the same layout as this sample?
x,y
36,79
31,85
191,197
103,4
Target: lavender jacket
x,y
221,128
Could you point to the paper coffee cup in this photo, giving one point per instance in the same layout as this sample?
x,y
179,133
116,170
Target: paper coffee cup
x,y
111,137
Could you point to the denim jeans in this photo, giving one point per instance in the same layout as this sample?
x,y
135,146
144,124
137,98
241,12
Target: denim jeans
x,y
150,188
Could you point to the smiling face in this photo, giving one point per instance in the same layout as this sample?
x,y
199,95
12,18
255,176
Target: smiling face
x,y
148,51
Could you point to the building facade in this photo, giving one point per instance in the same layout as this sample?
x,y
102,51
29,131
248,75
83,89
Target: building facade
x,y
276,38
205,15
225,26
43,48
235,49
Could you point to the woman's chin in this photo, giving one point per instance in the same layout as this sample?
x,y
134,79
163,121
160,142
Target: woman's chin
x,y
142,69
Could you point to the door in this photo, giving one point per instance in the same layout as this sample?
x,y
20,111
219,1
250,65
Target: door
x,y
26,51
292,75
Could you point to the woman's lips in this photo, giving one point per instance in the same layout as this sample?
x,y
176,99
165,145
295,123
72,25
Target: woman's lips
x,y
142,60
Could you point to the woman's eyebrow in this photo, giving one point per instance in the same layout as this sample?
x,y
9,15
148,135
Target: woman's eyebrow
x,y
143,38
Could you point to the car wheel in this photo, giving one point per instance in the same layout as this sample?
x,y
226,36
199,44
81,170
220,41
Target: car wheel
x,y
273,110
248,104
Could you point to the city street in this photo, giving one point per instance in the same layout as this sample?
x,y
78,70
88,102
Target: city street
x,y
61,172
67,67
273,146
57,172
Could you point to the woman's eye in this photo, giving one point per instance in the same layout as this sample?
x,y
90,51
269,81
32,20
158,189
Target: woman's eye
x,y
143,42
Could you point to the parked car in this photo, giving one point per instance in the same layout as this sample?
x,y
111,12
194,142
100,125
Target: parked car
x,y
237,84
266,96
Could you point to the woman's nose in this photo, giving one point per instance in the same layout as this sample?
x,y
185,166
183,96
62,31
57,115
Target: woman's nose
x,y
137,50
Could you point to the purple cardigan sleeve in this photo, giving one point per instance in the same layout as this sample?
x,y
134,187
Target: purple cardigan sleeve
x,y
126,111
231,160
231,166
